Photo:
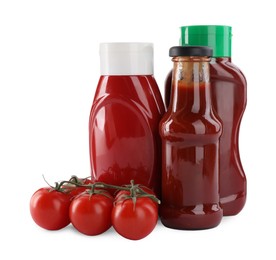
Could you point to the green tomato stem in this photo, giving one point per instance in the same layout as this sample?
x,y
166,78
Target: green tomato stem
x,y
135,190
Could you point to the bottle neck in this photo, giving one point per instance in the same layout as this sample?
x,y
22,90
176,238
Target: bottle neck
x,y
191,85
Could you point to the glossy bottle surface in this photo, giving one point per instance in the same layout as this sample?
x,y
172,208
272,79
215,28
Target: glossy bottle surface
x,y
123,131
228,90
190,135
229,100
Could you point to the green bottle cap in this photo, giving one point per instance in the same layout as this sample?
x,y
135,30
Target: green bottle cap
x,y
218,37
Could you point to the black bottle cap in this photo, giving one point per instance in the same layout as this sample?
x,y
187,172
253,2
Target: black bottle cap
x,y
190,51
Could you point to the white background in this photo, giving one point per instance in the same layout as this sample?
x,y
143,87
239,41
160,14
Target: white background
x,y
49,68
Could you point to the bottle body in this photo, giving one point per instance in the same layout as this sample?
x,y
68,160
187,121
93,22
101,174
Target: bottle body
x,y
123,131
228,92
190,134
228,86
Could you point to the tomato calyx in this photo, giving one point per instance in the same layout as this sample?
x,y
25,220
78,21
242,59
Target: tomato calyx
x,y
136,191
95,190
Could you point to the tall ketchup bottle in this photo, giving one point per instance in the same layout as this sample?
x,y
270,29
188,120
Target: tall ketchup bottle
x,y
124,118
228,90
190,133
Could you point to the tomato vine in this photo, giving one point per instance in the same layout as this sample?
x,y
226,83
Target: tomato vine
x,y
135,190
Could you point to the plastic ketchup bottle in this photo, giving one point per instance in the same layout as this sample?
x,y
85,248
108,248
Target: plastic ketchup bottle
x,y
123,128
228,91
190,133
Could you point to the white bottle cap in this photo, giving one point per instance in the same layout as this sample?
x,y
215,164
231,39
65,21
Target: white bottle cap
x,y
126,58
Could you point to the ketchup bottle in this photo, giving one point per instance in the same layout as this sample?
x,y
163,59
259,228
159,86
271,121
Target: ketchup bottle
x,y
228,89
123,127
190,133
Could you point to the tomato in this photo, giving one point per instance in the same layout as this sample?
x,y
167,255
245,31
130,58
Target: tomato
x,y
91,214
135,221
50,208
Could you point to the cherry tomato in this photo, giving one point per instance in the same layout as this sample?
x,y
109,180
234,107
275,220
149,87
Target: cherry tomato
x,y
135,219
91,214
50,208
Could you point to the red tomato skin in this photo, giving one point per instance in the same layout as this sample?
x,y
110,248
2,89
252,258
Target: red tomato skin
x,y
50,208
75,191
91,214
135,222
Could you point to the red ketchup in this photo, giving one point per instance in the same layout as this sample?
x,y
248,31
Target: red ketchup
x,y
123,126
190,133
228,89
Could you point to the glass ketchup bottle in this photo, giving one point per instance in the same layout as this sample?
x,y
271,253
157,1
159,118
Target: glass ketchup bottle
x,y
228,90
190,133
123,126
